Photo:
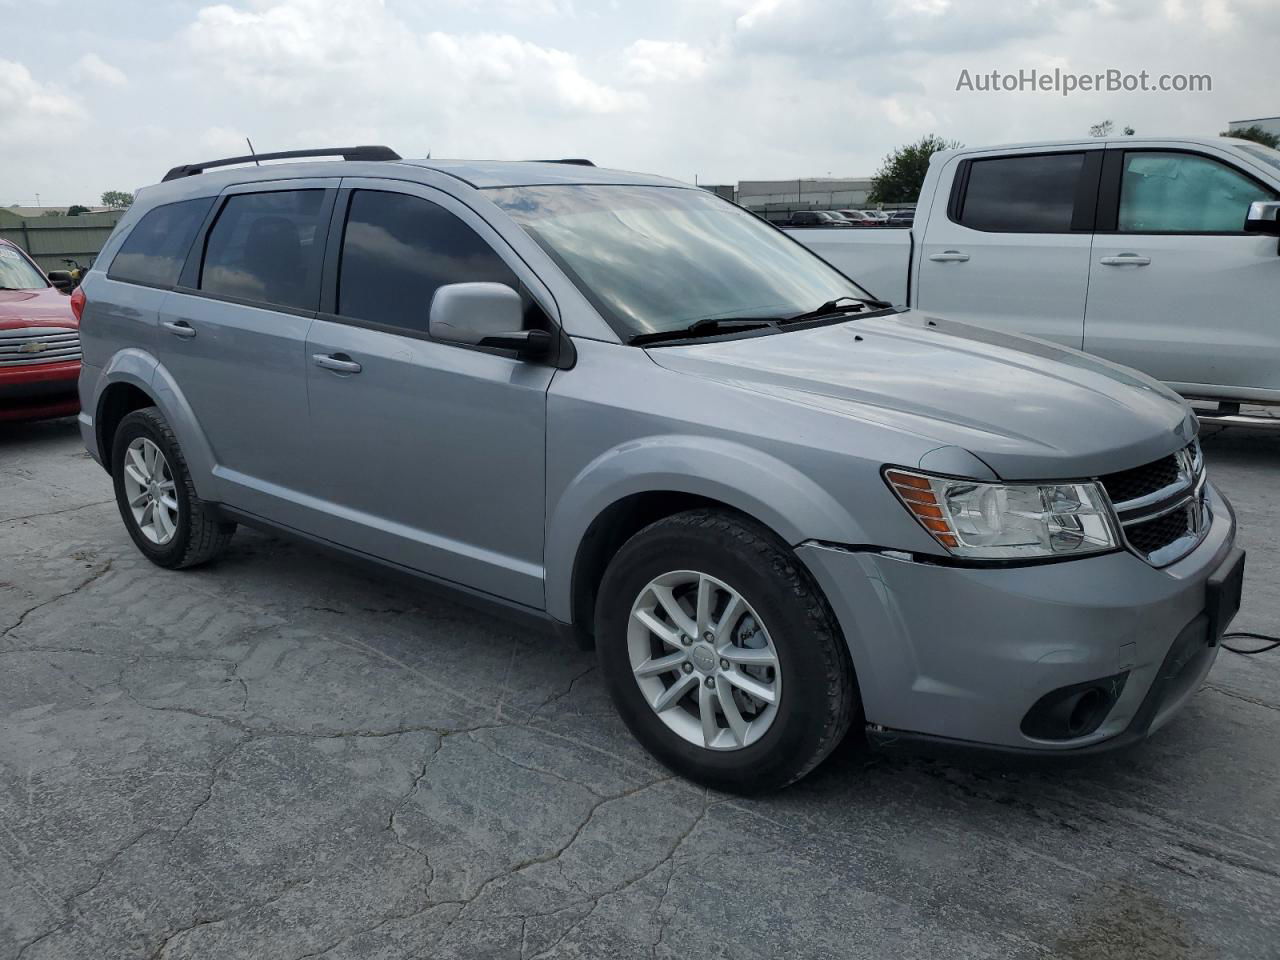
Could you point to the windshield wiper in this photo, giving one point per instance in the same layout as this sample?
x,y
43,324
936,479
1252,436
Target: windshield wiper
x,y
834,307
706,327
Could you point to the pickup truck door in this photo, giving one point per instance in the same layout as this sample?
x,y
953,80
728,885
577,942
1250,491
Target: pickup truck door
x,y
1008,247
1177,289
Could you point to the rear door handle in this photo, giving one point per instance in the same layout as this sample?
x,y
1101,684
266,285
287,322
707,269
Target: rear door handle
x,y
1126,260
338,362
949,256
180,328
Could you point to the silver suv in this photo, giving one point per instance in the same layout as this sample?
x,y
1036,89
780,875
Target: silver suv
x,y
630,409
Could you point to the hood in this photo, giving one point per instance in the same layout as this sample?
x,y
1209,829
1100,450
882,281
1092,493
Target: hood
x,y
35,308
1028,408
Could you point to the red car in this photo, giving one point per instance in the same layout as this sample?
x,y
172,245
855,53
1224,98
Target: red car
x,y
39,341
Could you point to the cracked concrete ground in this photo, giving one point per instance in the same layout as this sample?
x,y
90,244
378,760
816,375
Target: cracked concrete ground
x,y
286,756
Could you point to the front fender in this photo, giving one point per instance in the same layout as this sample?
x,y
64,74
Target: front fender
x,y
761,486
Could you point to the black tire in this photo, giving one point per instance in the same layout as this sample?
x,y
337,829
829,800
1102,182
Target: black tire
x,y
819,698
200,534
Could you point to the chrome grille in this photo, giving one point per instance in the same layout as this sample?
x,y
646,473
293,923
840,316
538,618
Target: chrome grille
x,y
1161,506
27,346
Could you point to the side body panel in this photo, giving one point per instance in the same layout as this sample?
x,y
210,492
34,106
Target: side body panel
x,y
879,260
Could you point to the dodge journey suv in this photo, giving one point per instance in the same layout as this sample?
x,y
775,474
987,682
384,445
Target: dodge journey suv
x,y
778,506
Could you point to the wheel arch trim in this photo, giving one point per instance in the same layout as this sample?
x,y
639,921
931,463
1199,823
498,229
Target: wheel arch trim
x,y
766,489
140,369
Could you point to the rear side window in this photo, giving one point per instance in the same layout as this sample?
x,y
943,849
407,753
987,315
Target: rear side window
x,y
155,249
398,249
267,247
1027,194
1184,193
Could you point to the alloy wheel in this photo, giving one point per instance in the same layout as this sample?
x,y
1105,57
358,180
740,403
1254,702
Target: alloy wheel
x,y
704,660
151,492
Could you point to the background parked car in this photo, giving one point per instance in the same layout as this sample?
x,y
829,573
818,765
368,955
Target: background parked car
x,y
39,342
817,218
860,218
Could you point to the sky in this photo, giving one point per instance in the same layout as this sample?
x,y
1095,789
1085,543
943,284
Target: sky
x,y
101,95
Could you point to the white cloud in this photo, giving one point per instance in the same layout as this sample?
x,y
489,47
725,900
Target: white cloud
x,y
93,70
724,89
31,110
664,61
360,53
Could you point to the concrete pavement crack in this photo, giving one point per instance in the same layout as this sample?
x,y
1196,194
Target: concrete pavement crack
x,y
1241,696
92,578
54,513
555,698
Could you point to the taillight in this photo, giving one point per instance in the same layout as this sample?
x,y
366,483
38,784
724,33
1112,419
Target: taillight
x,y
77,302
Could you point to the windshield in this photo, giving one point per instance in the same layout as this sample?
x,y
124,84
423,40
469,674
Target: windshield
x,y
1259,152
654,259
16,273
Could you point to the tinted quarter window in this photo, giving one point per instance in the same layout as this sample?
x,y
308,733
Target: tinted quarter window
x,y
1027,194
156,248
267,247
1184,193
398,249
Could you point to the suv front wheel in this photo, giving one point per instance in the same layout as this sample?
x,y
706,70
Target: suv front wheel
x,y
167,521
722,654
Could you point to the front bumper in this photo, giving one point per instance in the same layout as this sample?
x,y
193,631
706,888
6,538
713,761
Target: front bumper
x,y
961,654
39,391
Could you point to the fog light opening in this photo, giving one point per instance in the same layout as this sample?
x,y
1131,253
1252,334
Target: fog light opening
x,y
1084,715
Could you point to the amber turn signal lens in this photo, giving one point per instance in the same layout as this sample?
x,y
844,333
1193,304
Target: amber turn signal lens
x,y
914,491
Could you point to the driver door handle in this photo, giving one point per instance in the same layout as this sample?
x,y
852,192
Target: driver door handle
x,y
180,328
338,362
949,256
1126,260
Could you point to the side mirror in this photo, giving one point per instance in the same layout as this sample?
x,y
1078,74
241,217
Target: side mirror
x,y
61,279
484,315
1264,217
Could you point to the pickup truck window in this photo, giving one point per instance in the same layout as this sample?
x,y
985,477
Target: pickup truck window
x,y
653,259
1031,193
1166,192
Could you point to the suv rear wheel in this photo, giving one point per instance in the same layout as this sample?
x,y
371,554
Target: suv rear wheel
x,y
722,654
167,521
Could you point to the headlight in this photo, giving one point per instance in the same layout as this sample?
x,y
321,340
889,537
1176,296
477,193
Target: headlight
x,y
1008,521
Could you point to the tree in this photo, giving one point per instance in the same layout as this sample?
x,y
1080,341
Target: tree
x,y
1256,134
902,174
1128,131
76,209
117,199
1101,129
52,213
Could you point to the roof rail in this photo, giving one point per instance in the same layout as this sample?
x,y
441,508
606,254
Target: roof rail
x,y
347,153
576,161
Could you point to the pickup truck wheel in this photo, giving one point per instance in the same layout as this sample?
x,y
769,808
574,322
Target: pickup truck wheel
x,y
721,653
167,521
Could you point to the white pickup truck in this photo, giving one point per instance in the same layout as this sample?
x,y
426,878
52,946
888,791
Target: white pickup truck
x,y
1160,254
